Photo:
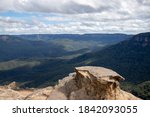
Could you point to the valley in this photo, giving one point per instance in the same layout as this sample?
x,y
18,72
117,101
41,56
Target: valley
x,y
36,62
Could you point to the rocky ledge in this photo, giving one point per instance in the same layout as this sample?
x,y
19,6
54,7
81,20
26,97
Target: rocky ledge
x,y
86,83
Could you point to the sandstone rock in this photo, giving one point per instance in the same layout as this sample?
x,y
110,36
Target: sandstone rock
x,y
9,94
24,94
12,85
91,83
39,94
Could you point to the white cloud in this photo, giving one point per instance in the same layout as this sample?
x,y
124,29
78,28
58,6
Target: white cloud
x,y
61,6
75,6
12,26
77,16
6,5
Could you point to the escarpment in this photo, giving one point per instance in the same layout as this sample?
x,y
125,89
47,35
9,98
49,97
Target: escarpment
x,y
86,83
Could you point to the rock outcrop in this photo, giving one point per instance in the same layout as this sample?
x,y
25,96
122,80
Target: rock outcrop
x,y
86,83
91,83
11,92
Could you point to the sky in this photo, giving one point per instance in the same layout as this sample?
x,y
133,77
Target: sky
x,y
74,16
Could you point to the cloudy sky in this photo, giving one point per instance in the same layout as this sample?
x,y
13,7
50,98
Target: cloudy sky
x,y
74,16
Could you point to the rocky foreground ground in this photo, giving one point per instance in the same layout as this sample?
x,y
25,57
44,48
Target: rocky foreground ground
x,y
86,83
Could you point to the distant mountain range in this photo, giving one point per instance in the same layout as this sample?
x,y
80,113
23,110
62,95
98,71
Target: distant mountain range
x,y
15,48
42,46
107,38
